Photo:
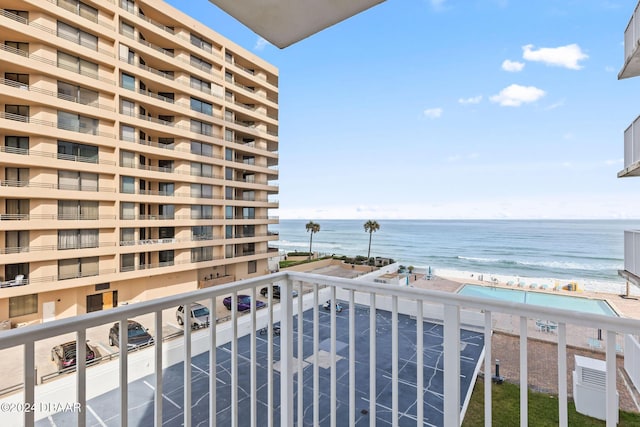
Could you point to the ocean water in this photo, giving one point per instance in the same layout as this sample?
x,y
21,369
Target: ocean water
x,y
588,251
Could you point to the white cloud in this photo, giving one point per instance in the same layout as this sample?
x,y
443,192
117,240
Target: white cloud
x,y
433,113
516,95
567,56
612,162
555,105
512,66
472,100
260,44
609,69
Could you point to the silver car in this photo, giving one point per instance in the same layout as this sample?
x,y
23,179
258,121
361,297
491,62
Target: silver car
x,y
200,316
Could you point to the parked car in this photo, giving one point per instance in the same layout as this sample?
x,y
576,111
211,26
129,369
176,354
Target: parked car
x,y
64,355
199,316
137,335
244,303
276,292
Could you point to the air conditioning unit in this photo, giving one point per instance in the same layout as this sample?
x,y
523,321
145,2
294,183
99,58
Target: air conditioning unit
x,y
589,387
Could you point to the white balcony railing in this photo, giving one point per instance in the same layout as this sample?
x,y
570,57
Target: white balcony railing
x,y
631,149
264,384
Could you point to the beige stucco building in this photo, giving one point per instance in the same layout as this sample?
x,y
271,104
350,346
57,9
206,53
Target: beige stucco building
x,y
138,158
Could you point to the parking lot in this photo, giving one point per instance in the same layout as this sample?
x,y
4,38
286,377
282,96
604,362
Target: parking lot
x,y
104,408
12,374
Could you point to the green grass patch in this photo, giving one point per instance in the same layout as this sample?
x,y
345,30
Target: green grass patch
x,y
543,409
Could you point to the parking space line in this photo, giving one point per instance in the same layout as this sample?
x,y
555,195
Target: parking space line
x,y
207,373
163,395
96,416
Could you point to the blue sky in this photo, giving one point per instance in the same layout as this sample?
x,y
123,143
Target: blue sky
x,y
453,109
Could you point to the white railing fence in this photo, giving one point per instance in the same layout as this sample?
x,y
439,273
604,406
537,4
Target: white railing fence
x,y
282,379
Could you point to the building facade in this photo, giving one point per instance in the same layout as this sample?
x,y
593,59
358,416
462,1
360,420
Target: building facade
x,y
138,159
631,68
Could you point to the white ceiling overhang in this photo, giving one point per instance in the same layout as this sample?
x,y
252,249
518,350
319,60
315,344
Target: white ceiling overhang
x,y
284,22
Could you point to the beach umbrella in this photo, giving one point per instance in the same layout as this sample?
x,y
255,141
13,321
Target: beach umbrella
x,y
407,280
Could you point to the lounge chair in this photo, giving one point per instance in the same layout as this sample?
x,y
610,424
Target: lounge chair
x,y
510,283
18,281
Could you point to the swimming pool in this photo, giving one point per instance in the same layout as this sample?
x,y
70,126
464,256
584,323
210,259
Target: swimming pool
x,y
585,305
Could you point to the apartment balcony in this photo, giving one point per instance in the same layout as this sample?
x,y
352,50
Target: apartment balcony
x,y
323,367
631,150
631,270
631,67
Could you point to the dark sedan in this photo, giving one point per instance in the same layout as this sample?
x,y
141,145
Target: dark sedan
x,y
65,355
137,335
276,292
244,303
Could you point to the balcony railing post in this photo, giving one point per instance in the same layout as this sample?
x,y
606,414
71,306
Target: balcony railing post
x,y
81,376
488,327
563,417
524,379
286,354
451,366
612,401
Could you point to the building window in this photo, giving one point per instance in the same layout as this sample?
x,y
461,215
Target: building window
x,y
201,148
127,262
166,211
127,210
201,212
17,112
72,210
16,209
20,48
248,231
201,43
228,193
79,8
167,232
201,106
166,188
77,123
228,231
248,213
201,169
16,177
77,239
228,212
21,13
127,236
128,108
77,152
128,5
165,258
201,63
201,127
204,232
201,254
16,144
127,185
77,94
204,191
228,251
78,36
77,267
127,133
77,65
21,80
249,195
23,305
252,267
16,241
128,81
77,181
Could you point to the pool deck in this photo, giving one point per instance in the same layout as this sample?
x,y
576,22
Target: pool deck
x,y
542,346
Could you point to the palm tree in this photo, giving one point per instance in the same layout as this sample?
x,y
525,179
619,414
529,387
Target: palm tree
x,y
371,227
313,228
